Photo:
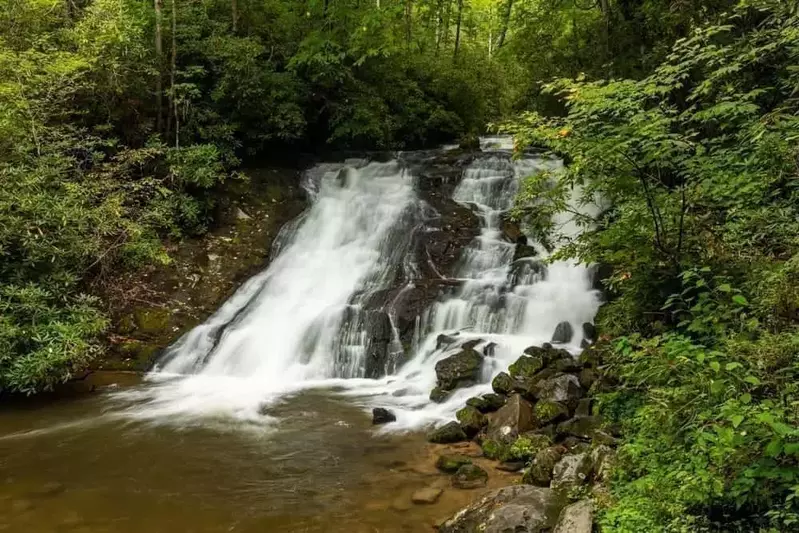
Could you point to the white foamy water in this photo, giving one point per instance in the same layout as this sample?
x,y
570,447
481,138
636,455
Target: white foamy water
x,y
301,322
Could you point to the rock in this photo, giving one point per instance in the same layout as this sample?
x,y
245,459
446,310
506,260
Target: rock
x,y
590,357
451,463
426,496
513,419
576,518
401,504
459,370
517,508
571,471
471,420
540,471
498,451
602,458
589,332
241,215
469,142
445,340
587,377
563,333
580,426
503,384
563,388
489,349
511,466
599,437
448,433
510,230
523,251
548,412
438,395
584,407
382,416
470,477
528,445
470,345
566,362
525,367
487,403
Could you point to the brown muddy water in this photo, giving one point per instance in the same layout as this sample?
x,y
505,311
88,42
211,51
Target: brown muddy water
x,y
76,466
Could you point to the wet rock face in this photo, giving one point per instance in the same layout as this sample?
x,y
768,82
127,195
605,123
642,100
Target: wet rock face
x,y
576,518
487,403
540,471
459,370
518,509
571,471
471,420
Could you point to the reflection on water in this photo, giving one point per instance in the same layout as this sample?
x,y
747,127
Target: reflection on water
x,y
67,468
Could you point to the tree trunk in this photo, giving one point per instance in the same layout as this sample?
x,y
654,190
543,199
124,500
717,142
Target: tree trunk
x,y
159,52
172,72
505,22
234,12
458,29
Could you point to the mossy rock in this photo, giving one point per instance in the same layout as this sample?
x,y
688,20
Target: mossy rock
x,y
503,384
487,403
141,354
495,450
527,446
547,412
540,472
449,433
471,420
439,395
126,324
470,477
526,367
154,320
451,463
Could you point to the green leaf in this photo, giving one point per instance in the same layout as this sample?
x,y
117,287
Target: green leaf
x,y
774,448
792,448
740,300
715,366
736,420
732,366
752,380
746,398
725,287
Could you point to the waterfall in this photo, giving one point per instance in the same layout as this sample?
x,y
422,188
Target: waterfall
x,y
309,319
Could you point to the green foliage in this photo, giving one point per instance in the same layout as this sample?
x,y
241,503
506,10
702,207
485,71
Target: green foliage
x,y
685,183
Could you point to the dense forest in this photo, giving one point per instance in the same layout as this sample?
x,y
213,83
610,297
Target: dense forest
x,y
120,119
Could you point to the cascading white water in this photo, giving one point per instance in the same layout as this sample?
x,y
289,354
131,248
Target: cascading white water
x,y
283,328
301,322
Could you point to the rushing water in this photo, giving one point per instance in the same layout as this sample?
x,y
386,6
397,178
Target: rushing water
x,y
301,324
257,419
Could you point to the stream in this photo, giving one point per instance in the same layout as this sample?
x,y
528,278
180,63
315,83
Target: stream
x,y
259,418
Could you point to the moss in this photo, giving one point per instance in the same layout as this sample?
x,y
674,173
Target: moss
x,y
526,366
548,411
527,446
495,450
451,463
471,420
152,321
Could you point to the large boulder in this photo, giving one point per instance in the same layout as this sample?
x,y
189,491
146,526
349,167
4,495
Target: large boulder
x,y
471,420
470,477
459,370
563,333
513,419
517,508
446,434
576,518
602,459
571,471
